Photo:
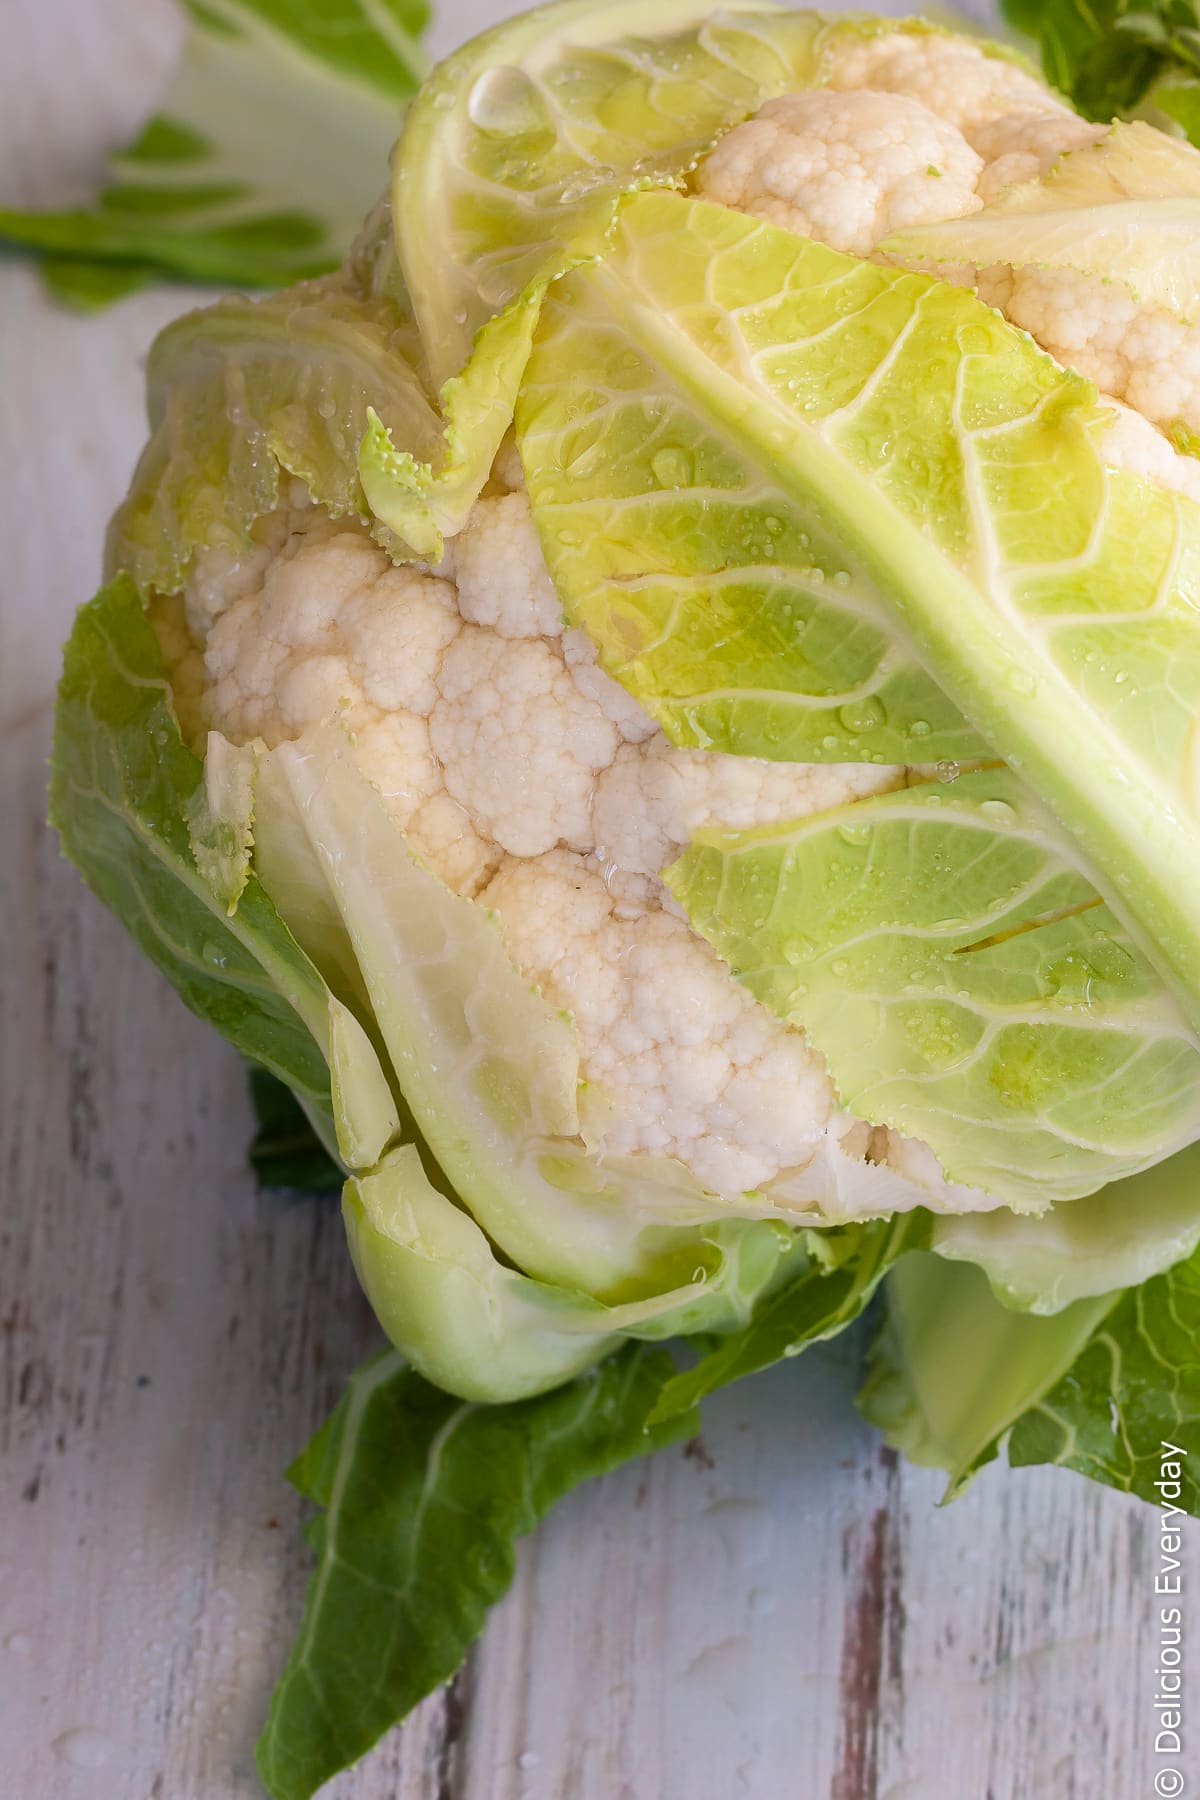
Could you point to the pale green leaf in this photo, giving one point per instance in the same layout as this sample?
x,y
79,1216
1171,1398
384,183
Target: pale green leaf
x,y
958,469
962,980
520,142
420,505
247,392
1126,208
1119,1237
952,1369
122,786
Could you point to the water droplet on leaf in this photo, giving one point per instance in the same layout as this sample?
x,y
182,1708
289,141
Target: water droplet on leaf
x,y
998,811
865,714
671,466
504,103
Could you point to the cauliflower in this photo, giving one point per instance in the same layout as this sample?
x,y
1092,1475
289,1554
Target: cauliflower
x,y
692,1066
615,1041
847,168
1142,355
952,78
917,128
654,798
529,780
1024,146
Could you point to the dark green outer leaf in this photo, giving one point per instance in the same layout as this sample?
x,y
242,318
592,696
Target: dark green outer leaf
x,y
818,1304
425,1498
1136,1385
121,783
286,1154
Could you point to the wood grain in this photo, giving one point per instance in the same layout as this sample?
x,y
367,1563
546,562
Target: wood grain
x,y
778,1611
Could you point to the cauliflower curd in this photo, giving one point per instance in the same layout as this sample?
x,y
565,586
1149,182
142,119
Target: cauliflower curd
x,y
535,785
530,781
915,129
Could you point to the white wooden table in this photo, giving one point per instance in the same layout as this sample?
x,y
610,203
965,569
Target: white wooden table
x,y
778,1612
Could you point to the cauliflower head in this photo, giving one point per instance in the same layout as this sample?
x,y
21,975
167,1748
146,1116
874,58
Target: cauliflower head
x,y
535,785
610,641
919,128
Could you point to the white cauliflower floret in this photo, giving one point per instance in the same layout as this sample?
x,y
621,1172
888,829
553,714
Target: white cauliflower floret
x,y
1142,355
845,168
219,576
444,835
1024,146
500,571
520,745
653,800
1132,443
281,656
396,630
614,701
954,78
493,752
695,1068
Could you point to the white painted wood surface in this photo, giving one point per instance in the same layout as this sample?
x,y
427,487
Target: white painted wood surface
x,y
780,1613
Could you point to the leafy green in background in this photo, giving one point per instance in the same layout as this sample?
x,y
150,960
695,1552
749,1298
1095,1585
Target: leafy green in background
x,y
1109,56
272,144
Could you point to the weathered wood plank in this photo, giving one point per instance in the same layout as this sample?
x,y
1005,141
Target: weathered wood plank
x,y
778,1613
